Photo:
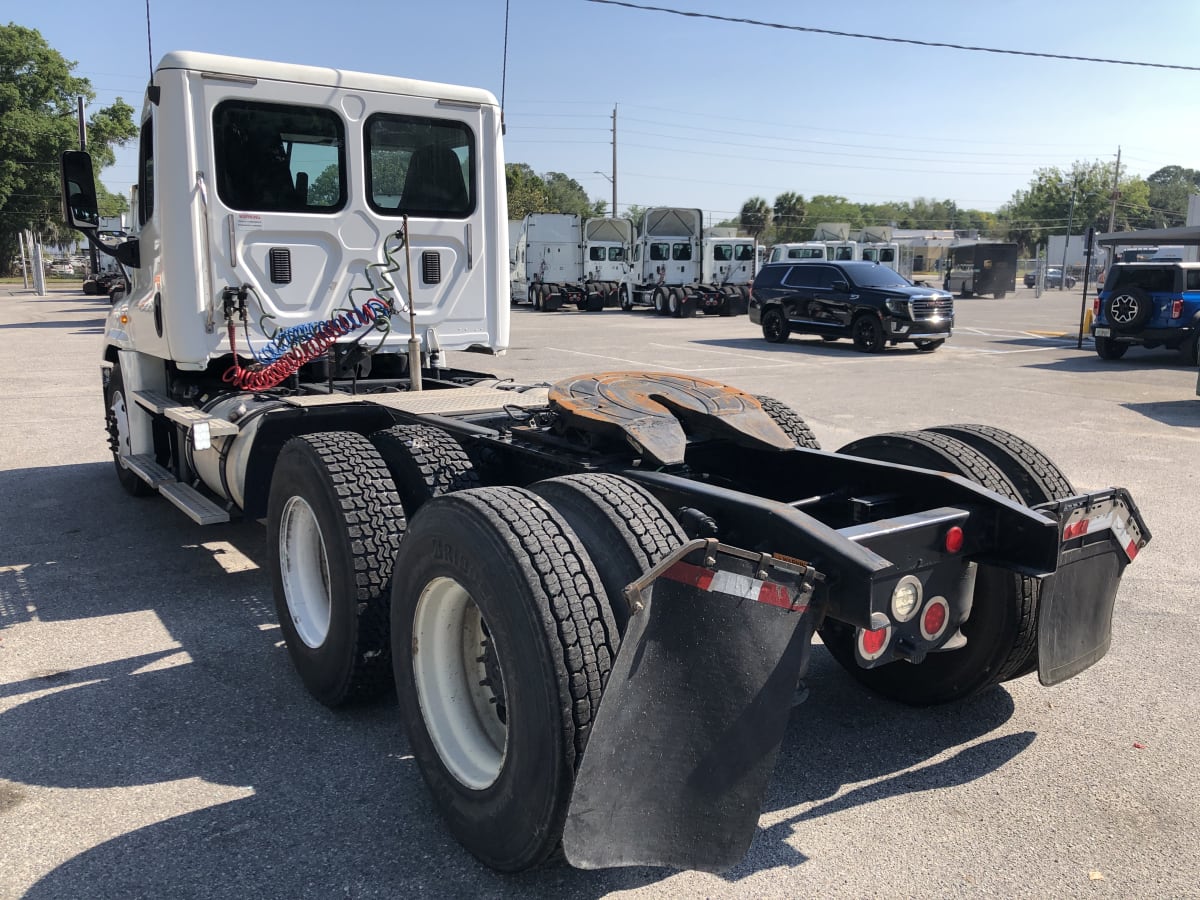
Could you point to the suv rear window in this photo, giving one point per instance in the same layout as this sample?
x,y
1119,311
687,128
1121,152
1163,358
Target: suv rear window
x,y
1153,279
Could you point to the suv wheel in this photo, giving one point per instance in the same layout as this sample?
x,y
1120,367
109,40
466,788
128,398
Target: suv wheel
x,y
1107,348
868,334
1188,350
1127,309
774,325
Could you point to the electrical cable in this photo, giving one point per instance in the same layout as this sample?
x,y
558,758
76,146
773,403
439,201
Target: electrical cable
x,y
893,40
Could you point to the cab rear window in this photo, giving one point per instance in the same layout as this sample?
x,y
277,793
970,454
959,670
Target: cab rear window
x,y
1154,280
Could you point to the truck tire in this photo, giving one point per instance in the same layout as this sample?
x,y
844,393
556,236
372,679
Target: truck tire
x,y
660,301
1036,478
535,296
594,301
790,421
675,303
1189,350
1128,309
624,299
334,523
626,529
1107,348
999,295
425,462
867,331
687,304
1002,629
1031,472
116,424
774,326
502,642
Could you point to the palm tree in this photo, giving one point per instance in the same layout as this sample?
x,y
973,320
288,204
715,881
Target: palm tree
x,y
755,216
789,216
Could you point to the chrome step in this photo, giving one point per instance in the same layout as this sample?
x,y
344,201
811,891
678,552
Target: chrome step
x,y
148,470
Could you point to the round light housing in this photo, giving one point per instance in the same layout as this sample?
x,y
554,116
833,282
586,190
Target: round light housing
x,y
906,598
935,618
873,643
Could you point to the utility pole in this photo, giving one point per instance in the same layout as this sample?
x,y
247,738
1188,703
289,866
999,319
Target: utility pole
x,y
614,175
93,256
1112,216
1062,282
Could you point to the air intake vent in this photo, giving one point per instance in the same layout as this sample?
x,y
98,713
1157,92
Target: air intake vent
x,y
431,267
281,265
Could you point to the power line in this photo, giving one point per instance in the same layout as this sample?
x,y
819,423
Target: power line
x,y
893,40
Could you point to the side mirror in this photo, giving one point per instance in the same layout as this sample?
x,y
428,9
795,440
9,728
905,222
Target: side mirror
x,y
80,209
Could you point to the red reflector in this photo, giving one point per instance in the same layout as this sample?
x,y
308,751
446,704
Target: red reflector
x,y
874,641
935,619
1176,309
1096,307
954,539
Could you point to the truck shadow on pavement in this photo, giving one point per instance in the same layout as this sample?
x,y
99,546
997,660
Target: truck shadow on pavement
x,y
807,345
171,692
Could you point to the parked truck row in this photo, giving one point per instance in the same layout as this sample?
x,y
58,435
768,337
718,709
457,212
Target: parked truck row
x,y
669,265
595,599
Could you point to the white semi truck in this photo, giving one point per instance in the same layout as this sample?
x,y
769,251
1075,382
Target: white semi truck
x,y
596,598
669,272
559,260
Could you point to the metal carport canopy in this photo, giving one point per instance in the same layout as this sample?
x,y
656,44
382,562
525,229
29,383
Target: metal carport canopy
x,y
1187,234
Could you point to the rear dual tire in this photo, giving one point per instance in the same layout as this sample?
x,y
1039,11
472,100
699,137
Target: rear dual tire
x,y
1001,631
498,720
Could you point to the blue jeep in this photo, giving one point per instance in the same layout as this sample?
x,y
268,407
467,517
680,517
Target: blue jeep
x,y
1155,304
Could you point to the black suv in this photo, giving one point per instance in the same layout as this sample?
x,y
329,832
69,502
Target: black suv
x,y
864,301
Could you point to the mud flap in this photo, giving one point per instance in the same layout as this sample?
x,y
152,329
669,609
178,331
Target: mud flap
x,y
1101,535
694,712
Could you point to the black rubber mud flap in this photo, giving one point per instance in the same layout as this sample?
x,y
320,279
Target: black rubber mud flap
x,y
1101,535
694,712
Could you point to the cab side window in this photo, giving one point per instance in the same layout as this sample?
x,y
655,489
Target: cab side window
x,y
146,173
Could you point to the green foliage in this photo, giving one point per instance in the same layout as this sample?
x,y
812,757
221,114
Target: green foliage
x,y
635,214
1046,206
1168,190
755,216
788,214
37,123
552,192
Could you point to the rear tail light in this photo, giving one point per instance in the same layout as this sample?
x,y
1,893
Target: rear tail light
x,y
873,643
1176,309
1096,307
934,618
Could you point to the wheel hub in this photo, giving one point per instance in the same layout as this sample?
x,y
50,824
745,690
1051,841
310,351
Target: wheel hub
x,y
460,684
304,568
1124,309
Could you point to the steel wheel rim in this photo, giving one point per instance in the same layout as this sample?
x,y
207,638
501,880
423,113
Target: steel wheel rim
x,y
304,569
455,667
120,414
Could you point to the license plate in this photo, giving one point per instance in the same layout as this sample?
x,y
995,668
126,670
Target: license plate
x,y
1103,332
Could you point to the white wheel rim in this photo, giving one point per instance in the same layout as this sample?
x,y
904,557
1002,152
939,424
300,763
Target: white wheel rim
x,y
463,714
304,567
121,418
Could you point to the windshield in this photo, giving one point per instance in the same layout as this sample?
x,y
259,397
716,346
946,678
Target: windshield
x,y
876,276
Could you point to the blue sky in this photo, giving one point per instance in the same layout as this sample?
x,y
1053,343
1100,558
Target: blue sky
x,y
710,113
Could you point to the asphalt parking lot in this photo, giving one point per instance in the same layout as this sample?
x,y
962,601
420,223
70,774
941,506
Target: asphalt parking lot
x,y
155,743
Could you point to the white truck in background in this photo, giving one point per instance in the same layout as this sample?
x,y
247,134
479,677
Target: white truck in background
x,y
886,253
559,580
668,270
558,260
730,263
